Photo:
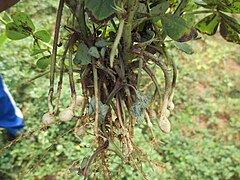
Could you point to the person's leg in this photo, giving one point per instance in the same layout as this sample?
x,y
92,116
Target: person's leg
x,y
11,117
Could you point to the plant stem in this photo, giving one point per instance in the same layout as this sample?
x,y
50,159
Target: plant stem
x,y
59,88
139,73
166,76
70,71
154,79
39,75
98,151
80,15
54,54
116,42
127,32
199,12
96,93
174,67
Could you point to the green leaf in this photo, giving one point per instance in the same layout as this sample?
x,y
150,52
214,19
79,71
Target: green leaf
x,y
6,17
103,52
82,57
174,26
228,33
3,38
231,22
180,8
103,109
184,47
230,6
23,20
209,24
192,34
38,51
102,43
93,51
101,9
84,162
16,32
142,8
160,8
43,62
139,106
43,35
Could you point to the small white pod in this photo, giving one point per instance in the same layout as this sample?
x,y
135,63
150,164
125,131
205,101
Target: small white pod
x,y
171,105
48,119
167,113
66,115
79,101
164,124
80,131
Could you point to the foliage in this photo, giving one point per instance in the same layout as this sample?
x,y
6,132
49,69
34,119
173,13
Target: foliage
x,y
112,52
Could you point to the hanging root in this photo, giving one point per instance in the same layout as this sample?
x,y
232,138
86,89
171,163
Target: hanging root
x,y
163,121
150,125
96,94
61,77
68,113
174,78
54,54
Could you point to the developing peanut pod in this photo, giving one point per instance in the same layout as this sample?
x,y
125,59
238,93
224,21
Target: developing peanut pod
x,y
171,106
66,114
167,113
80,131
164,124
48,119
79,101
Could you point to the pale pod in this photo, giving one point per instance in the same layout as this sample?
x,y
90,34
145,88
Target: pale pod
x,y
79,101
167,113
48,119
80,131
164,124
171,105
66,114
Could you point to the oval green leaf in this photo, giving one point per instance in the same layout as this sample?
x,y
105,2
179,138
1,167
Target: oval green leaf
x,y
16,32
93,51
228,33
102,43
43,35
43,62
22,19
82,57
160,8
103,52
101,9
184,47
209,24
174,26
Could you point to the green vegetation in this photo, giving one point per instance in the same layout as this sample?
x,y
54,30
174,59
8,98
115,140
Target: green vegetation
x,y
203,142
